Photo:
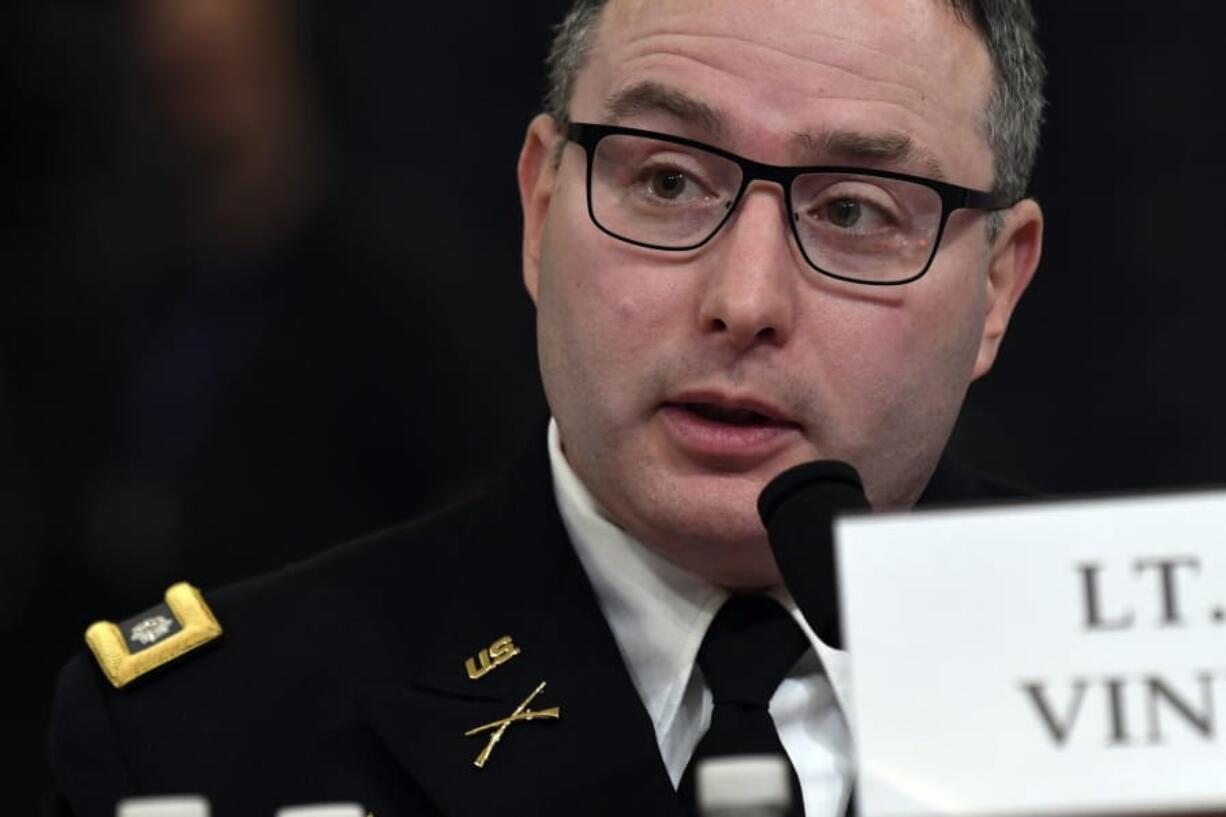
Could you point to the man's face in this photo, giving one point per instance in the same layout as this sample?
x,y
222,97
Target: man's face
x,y
647,356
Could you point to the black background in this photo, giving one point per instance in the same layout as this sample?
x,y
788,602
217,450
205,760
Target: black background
x,y
399,363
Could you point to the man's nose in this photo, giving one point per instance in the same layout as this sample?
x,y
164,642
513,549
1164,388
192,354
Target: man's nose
x,y
750,294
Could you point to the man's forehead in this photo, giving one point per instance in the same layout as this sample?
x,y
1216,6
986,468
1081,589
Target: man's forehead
x,y
900,35
805,147
912,16
769,64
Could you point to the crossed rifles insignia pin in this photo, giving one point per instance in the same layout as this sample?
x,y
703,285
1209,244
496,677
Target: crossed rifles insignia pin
x,y
495,655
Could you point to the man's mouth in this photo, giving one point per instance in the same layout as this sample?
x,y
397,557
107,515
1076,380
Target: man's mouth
x,y
722,414
726,432
746,413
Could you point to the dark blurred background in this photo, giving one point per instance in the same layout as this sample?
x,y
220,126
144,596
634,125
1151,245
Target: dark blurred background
x,y
262,289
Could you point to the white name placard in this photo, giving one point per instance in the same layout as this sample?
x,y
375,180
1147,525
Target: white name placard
x,y
1049,658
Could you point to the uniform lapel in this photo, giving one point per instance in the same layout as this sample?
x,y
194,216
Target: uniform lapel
x,y
523,580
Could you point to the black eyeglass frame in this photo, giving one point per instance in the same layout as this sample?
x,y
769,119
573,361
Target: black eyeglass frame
x,y
953,197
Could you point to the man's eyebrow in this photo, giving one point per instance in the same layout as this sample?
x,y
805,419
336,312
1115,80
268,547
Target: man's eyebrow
x,y
652,97
855,147
842,146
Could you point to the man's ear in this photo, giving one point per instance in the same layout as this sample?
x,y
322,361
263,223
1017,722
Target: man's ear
x,y
1014,257
536,172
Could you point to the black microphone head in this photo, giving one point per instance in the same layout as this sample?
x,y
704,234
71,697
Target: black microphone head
x,y
798,507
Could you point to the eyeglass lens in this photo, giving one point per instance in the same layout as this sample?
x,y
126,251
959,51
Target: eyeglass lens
x,y
670,196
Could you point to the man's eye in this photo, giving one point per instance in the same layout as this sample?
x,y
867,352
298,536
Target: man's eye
x,y
667,184
854,215
844,213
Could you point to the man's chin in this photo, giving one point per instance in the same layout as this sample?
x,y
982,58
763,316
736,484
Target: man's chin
x,y
732,569
725,550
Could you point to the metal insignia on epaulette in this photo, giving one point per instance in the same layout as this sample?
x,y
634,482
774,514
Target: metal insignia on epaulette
x,y
129,649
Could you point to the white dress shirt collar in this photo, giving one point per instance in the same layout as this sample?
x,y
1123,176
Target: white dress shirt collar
x,y
659,613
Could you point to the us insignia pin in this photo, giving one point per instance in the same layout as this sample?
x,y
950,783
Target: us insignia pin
x,y
131,648
495,655
499,727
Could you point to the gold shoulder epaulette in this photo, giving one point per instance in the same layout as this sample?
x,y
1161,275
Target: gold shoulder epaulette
x,y
129,649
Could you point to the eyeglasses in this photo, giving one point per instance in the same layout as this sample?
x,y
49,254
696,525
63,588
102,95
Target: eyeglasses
x,y
666,192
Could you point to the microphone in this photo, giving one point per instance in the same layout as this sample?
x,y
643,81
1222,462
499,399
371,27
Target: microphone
x,y
798,507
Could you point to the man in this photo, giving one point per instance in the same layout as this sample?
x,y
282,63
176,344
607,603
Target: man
x,y
756,234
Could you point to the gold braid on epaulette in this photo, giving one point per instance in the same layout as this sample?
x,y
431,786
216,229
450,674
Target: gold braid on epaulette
x,y
196,626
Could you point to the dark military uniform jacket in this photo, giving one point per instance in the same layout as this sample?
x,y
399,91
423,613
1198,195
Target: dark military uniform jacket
x,y
348,677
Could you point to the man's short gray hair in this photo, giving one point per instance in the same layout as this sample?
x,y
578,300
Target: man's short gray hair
x,y
1014,112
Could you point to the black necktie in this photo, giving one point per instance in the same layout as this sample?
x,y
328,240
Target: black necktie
x,y
745,655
